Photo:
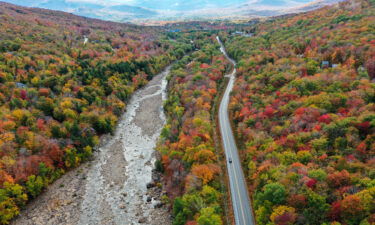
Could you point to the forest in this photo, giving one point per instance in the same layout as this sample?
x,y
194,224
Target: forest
x,y
189,154
302,109
304,114
64,81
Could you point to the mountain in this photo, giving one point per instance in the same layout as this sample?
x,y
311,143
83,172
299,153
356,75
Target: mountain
x,y
140,11
265,8
132,9
120,13
314,5
183,5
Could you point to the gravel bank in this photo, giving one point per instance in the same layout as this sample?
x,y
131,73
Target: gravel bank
x,y
112,189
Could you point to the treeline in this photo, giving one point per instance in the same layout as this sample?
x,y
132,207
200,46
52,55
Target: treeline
x,y
60,91
303,108
189,159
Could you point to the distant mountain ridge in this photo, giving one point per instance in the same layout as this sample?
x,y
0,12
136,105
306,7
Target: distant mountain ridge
x,y
177,10
315,5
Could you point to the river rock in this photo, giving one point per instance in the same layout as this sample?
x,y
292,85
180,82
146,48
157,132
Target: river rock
x,y
150,185
142,220
158,205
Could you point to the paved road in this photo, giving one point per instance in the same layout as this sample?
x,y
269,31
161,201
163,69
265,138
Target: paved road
x,y
240,198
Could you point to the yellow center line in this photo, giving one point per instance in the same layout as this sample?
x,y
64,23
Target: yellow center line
x,y
226,118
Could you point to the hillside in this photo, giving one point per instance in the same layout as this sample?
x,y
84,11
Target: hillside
x,y
64,81
303,109
302,112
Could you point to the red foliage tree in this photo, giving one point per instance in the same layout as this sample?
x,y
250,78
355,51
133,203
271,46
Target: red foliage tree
x,y
339,179
364,126
361,148
44,92
334,213
325,119
297,201
370,66
53,151
286,218
352,208
23,94
269,111
311,183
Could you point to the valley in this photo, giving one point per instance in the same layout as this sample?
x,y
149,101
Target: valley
x,y
112,188
220,121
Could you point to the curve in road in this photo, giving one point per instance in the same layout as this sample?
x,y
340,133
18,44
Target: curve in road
x,y
239,194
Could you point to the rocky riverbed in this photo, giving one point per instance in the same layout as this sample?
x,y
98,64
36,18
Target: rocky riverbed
x,y
114,188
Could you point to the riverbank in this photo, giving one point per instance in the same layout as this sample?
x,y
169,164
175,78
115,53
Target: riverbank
x,y
112,189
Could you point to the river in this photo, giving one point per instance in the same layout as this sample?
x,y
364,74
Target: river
x,y
112,189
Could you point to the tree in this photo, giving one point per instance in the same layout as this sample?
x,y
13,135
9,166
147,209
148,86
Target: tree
x,y
370,65
8,210
316,209
335,211
205,172
34,185
304,156
312,67
209,217
210,195
325,119
11,197
338,179
352,209
274,193
283,215
104,124
178,212
5,177
318,174
262,214
297,201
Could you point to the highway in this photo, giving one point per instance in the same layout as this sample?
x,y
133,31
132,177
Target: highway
x,y
239,194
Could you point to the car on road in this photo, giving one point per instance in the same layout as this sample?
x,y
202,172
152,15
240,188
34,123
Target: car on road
x,y
230,160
